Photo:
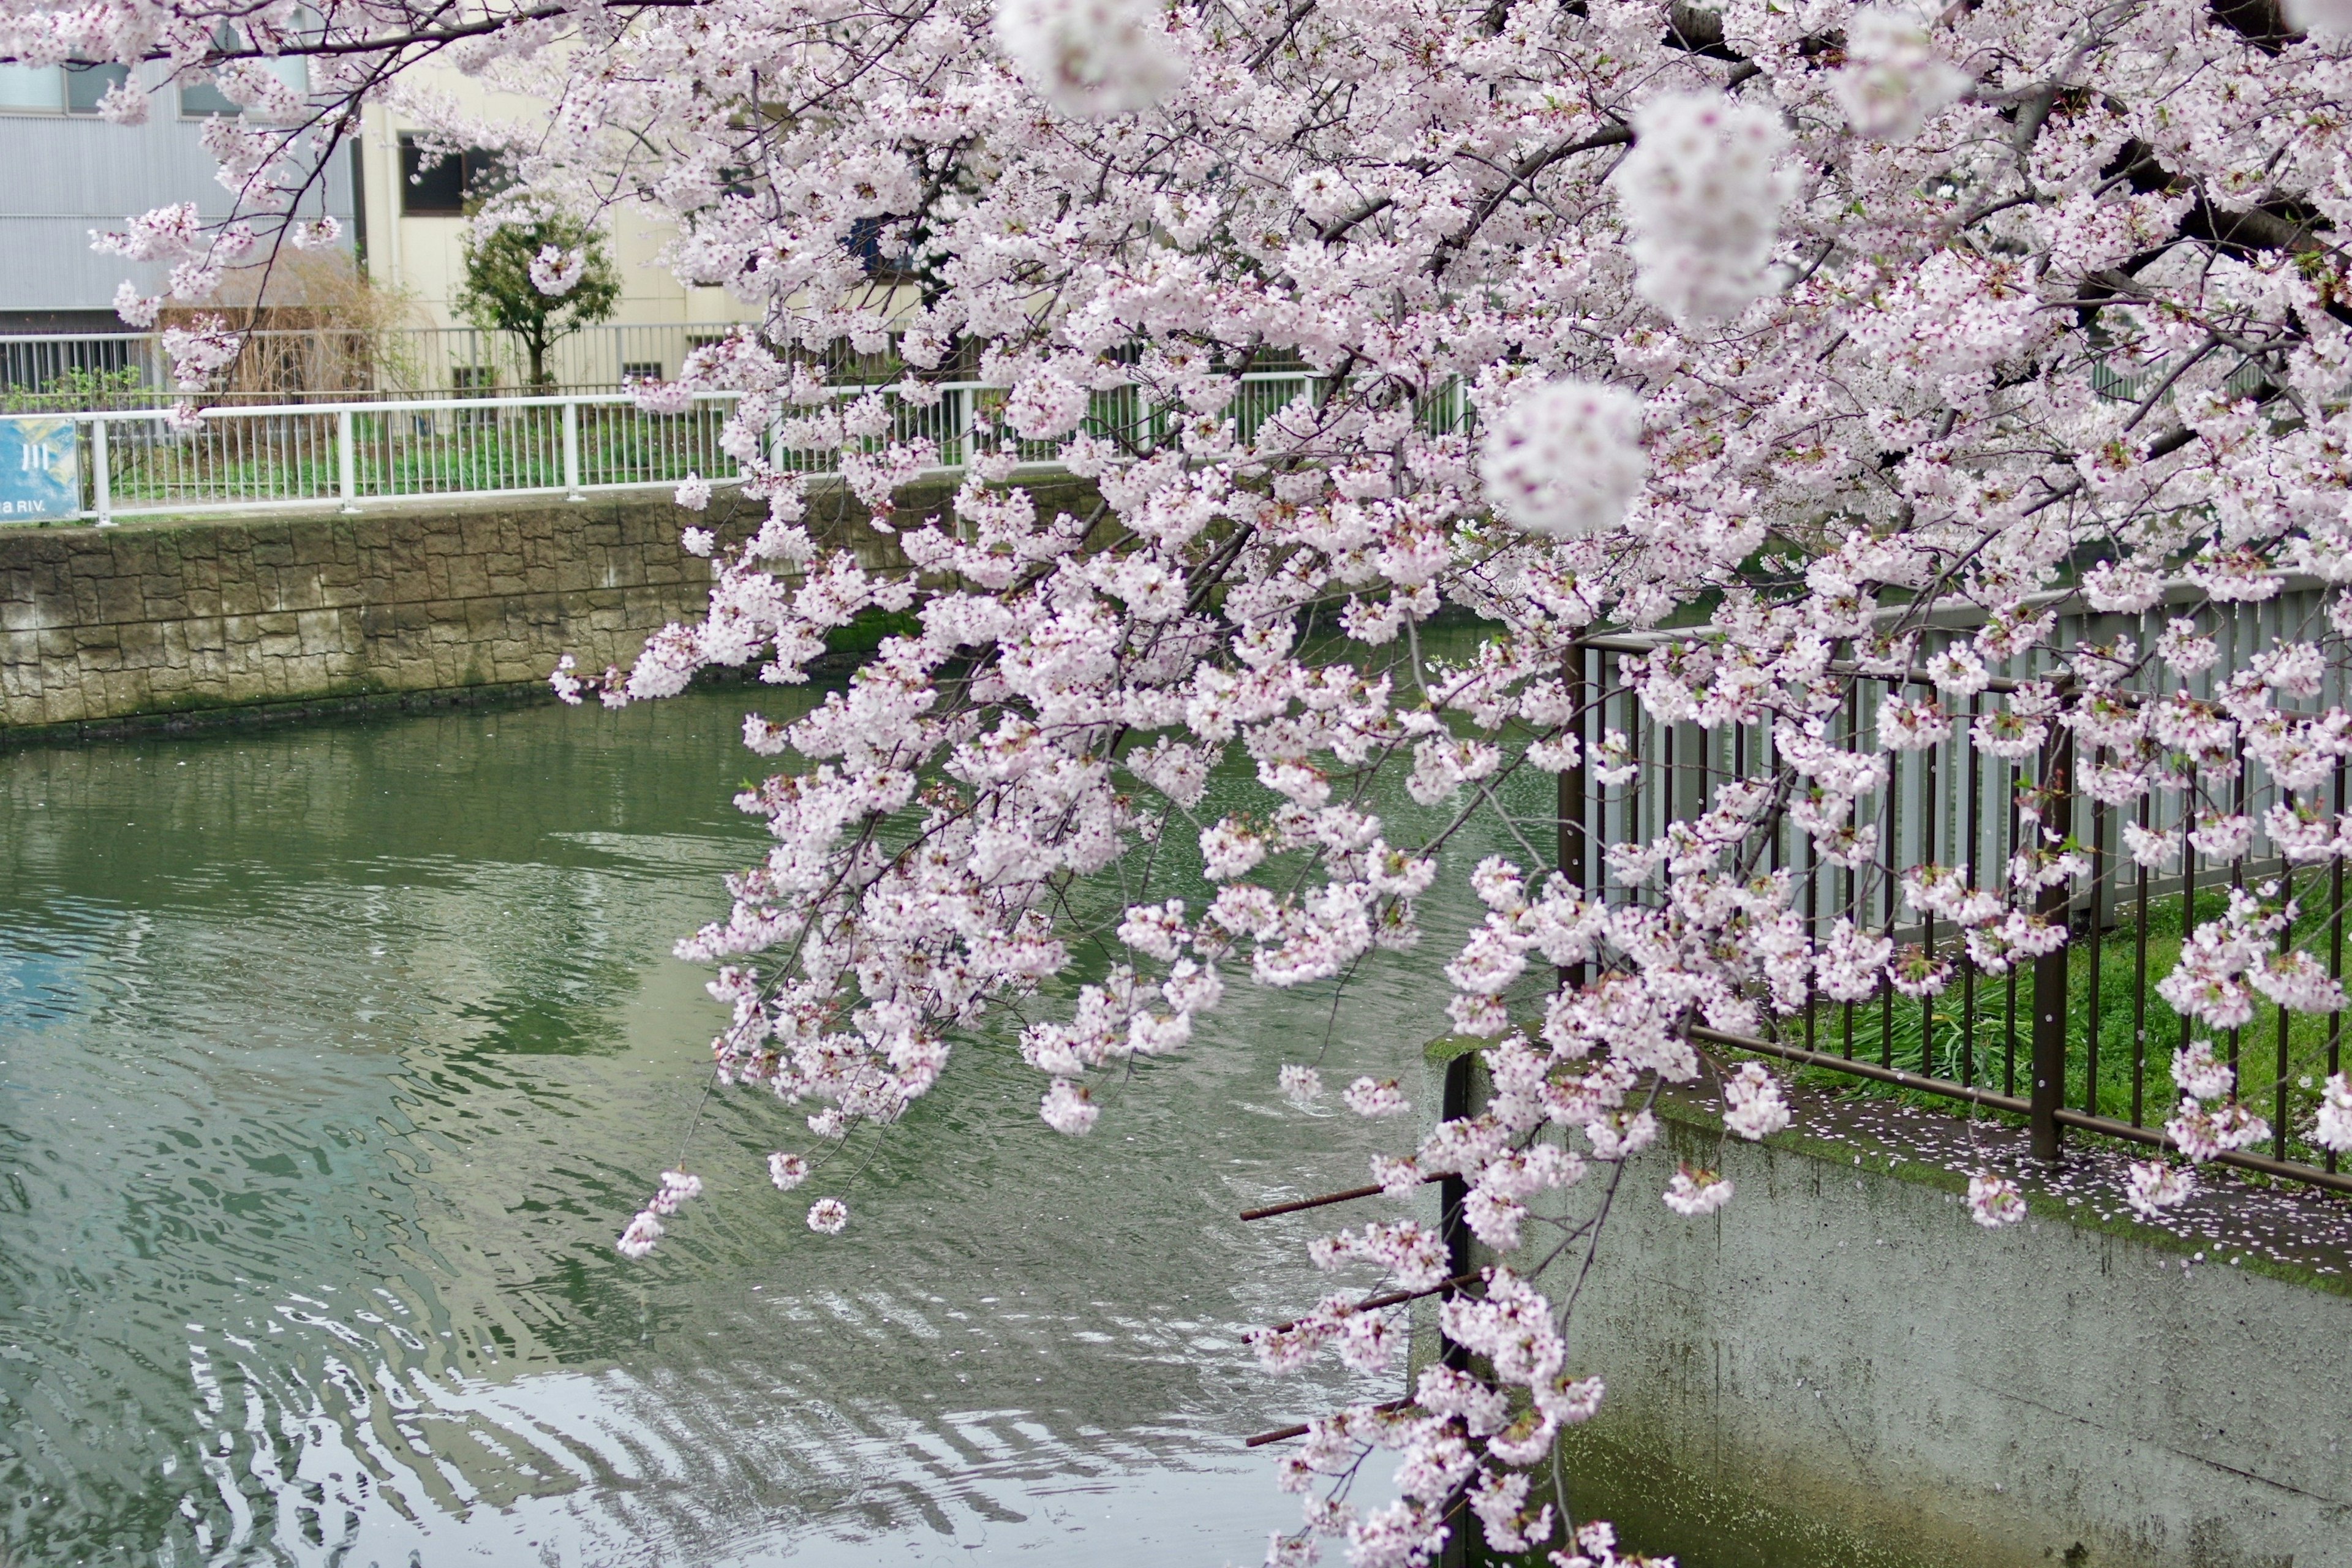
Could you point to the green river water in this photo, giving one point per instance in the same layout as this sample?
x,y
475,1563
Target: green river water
x,y
332,1061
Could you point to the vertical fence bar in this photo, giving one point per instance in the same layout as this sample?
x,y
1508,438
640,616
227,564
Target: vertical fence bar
x,y
2236,883
2187,894
1668,786
1812,917
2278,1088
1930,809
1891,824
347,468
1853,872
2335,945
2139,974
2049,969
2008,1025
572,450
1574,807
1976,874
101,474
2098,977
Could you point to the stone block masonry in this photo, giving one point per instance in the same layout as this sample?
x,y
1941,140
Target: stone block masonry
x,y
182,621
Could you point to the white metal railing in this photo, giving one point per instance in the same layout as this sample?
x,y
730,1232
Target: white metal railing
x,y
134,462
289,363
286,365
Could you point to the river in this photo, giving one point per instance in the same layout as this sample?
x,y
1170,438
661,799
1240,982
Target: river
x,y
333,1059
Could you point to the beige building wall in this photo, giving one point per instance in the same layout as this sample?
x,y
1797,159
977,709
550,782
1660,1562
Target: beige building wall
x,y
421,253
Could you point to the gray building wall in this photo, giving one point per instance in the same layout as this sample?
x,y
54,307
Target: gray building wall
x,y
69,175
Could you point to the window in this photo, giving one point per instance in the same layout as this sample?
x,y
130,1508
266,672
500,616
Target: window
x,y
443,189
641,370
85,84
74,88
202,99
31,89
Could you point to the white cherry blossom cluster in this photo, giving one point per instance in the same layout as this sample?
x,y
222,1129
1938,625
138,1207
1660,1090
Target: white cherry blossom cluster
x,y
2210,1119
1994,1201
2227,963
646,1229
1091,58
200,349
1894,79
2333,1127
1702,192
556,270
1564,460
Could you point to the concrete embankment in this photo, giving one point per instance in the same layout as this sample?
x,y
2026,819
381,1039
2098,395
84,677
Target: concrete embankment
x,y
1841,1370
220,619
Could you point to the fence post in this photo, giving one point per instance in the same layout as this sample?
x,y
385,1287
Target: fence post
x,y
101,477
2049,970
1575,810
572,451
347,461
1464,1545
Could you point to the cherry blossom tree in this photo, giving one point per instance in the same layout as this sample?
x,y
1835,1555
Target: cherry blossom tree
x,y
1773,329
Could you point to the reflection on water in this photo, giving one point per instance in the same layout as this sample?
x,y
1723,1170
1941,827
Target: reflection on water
x,y
333,1060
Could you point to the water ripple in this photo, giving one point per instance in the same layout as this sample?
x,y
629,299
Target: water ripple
x,y
330,1062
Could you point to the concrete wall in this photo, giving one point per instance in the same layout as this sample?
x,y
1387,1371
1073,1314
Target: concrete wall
x,y
99,625
1840,1369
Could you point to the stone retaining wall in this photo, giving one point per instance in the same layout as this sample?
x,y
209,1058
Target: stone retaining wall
x,y
102,626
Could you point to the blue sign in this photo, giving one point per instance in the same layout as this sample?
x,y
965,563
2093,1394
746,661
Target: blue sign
x,y
40,468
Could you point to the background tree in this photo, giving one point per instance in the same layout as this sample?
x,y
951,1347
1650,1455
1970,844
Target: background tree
x,y
541,278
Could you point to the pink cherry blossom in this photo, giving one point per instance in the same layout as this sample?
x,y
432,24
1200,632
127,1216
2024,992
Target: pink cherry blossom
x,y
1994,1201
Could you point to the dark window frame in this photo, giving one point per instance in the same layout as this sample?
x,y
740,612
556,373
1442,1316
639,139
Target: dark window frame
x,y
865,243
455,181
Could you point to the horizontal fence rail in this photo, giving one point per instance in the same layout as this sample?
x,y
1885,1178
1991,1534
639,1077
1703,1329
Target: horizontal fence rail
x,y
60,372
81,371
103,464
2078,1037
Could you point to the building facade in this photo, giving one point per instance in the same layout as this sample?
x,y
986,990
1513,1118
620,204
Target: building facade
x,y
72,173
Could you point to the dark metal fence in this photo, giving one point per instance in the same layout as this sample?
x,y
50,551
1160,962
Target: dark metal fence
x,y
2074,1038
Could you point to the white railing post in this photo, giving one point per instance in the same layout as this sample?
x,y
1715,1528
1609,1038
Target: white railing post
x,y
101,477
347,460
572,450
